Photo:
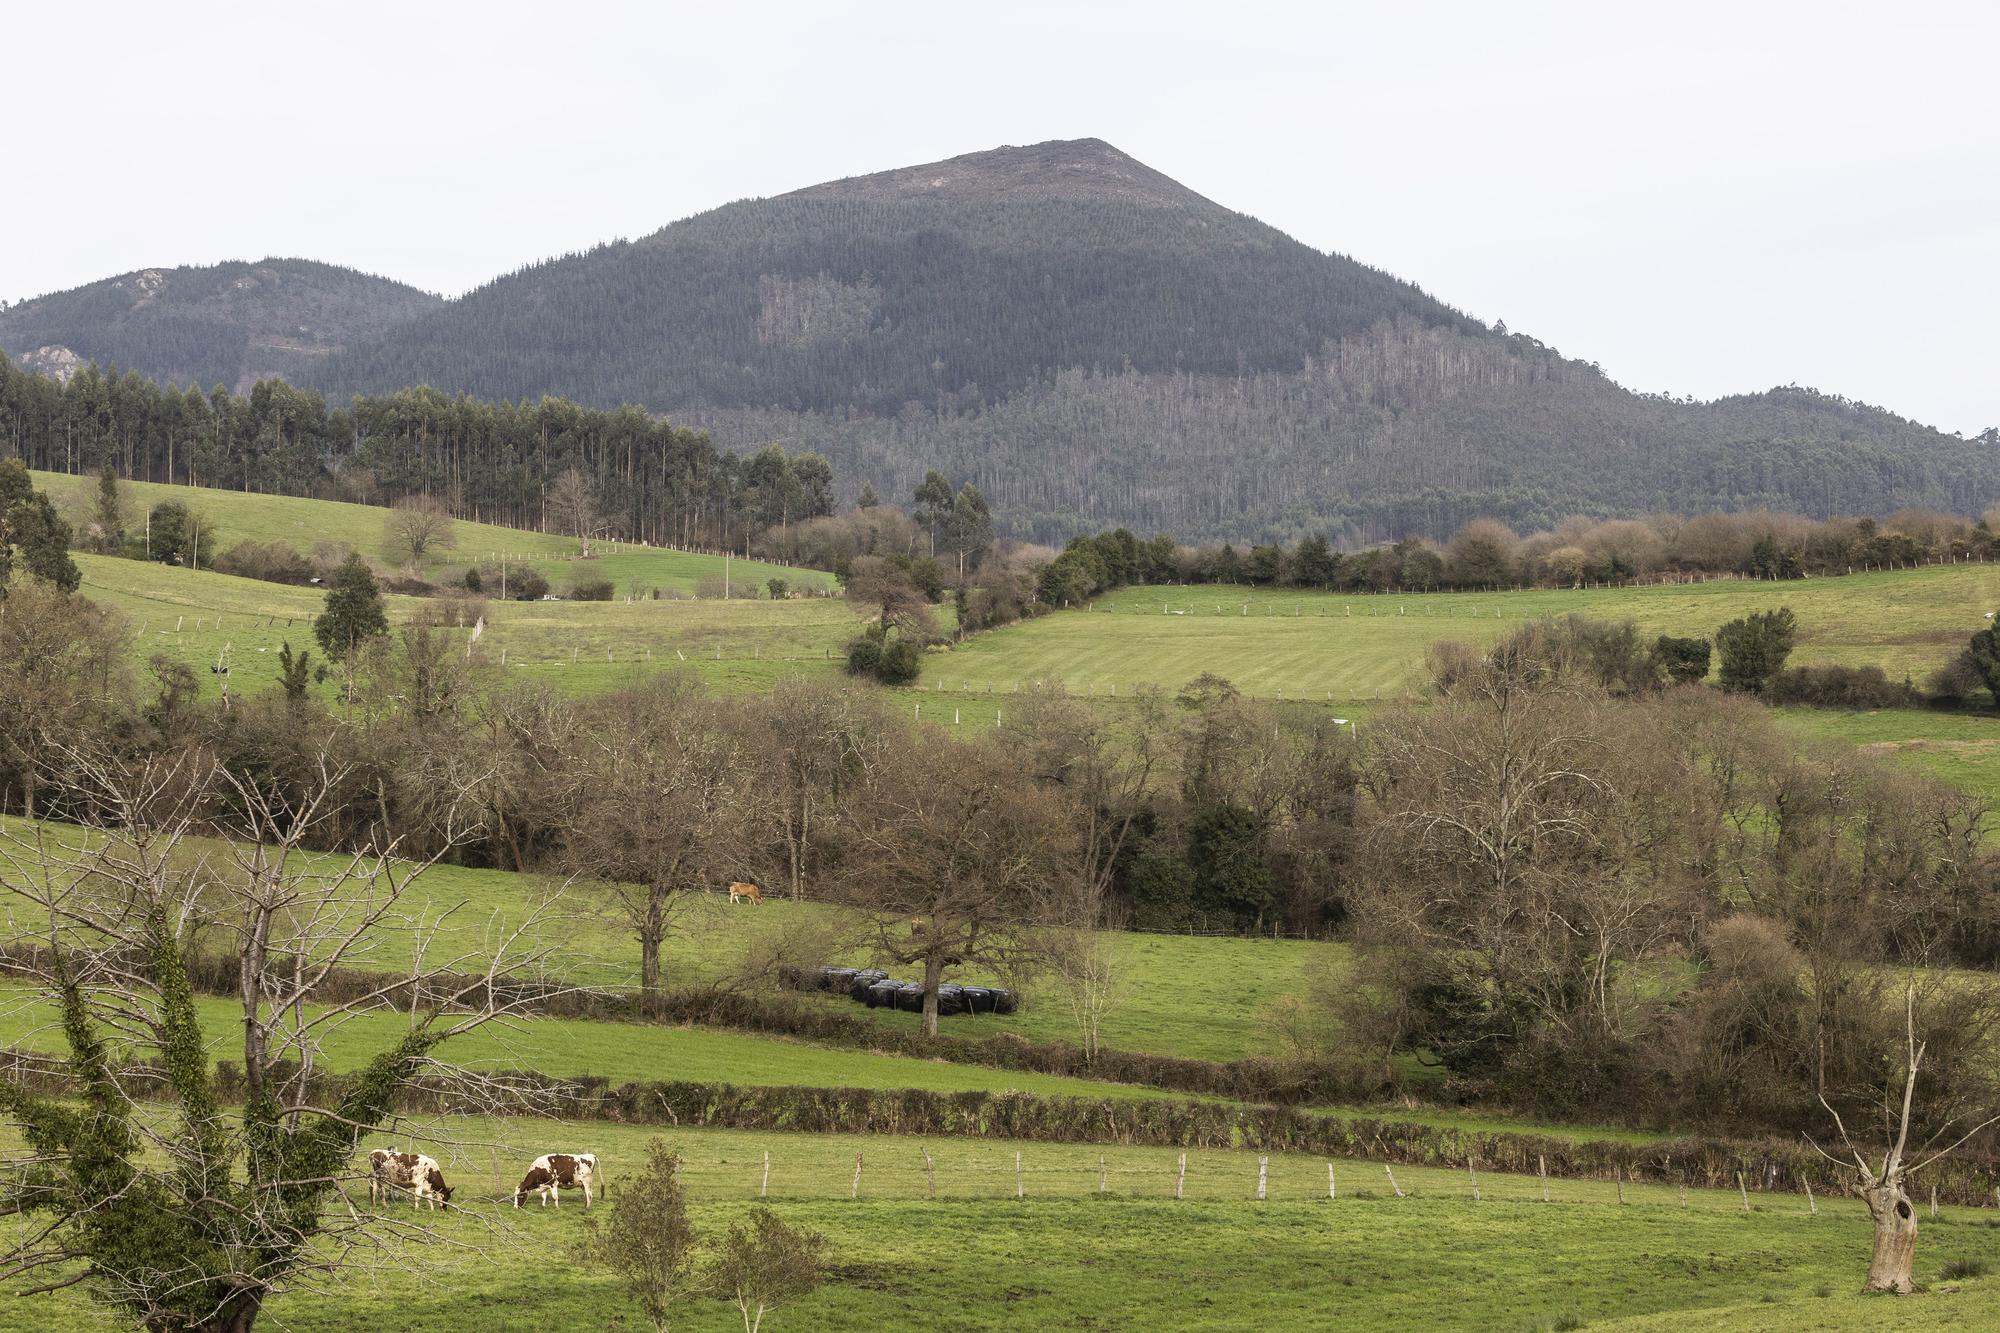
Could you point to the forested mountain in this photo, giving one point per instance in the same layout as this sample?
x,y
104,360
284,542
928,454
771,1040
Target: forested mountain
x,y
230,324
1093,344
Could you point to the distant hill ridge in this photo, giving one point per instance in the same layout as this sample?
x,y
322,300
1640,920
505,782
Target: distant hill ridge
x,y
229,324
1093,343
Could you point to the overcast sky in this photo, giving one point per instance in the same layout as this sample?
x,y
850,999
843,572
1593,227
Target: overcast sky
x,y
1703,199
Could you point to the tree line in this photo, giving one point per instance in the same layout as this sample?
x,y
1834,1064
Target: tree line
x,y
1485,554
549,465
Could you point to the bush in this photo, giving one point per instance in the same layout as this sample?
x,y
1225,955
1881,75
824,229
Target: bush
x,y
1754,649
524,583
590,590
1684,660
273,562
893,662
1959,1269
1840,687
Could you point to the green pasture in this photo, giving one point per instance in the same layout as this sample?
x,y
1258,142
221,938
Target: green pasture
x,y
206,619
1064,1256
1287,643
620,1052
1203,997
243,515
1963,748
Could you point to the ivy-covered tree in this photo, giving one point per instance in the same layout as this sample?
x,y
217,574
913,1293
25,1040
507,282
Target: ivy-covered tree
x,y
181,1217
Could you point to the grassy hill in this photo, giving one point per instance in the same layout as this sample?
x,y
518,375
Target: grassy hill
x,y
1285,643
242,515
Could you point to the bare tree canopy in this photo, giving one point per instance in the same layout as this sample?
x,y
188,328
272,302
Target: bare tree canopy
x,y
954,861
417,527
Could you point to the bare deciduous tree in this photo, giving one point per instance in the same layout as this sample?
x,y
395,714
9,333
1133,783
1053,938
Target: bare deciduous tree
x,y
659,808
416,527
954,861
1880,1185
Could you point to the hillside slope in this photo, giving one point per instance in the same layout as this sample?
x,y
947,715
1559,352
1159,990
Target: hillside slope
x,y
1092,344
228,324
1081,336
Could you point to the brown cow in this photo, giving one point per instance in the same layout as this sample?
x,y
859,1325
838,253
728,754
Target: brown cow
x,y
740,889
552,1173
412,1171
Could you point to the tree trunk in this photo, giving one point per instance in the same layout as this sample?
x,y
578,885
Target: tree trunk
x,y
238,1314
933,978
649,971
1895,1239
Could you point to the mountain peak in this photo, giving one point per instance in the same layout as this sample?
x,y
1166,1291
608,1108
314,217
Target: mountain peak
x,y
1080,170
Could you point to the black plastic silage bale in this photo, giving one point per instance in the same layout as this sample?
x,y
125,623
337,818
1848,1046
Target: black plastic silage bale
x,y
910,997
883,993
1004,1001
951,1000
864,981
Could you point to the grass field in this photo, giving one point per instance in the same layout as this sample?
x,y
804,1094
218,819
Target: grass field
x,y
1961,748
620,1052
207,619
1284,643
1197,996
977,1258
242,515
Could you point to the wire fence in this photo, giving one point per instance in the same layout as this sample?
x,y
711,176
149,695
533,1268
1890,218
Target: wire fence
x,y
811,1168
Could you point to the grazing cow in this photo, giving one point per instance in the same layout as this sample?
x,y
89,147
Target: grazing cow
x,y
739,889
552,1173
412,1171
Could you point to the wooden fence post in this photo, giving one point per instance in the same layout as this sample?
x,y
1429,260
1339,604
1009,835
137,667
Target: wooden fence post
x,y
1392,1180
854,1192
1542,1169
930,1173
1020,1189
765,1188
1263,1168
1743,1191
1180,1181
1684,1194
1618,1176
1933,1201
1331,1192
1811,1203
1100,1173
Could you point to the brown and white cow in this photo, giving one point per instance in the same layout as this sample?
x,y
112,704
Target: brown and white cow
x,y
552,1173
745,891
409,1171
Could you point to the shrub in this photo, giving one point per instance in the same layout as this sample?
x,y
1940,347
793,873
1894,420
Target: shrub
x,y
597,589
1839,687
1684,660
1754,648
778,589
1956,681
273,562
895,661
1959,1269
524,583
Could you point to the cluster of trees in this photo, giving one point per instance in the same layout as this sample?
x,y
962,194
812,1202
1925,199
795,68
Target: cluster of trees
x,y
1485,553
1573,899
550,465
